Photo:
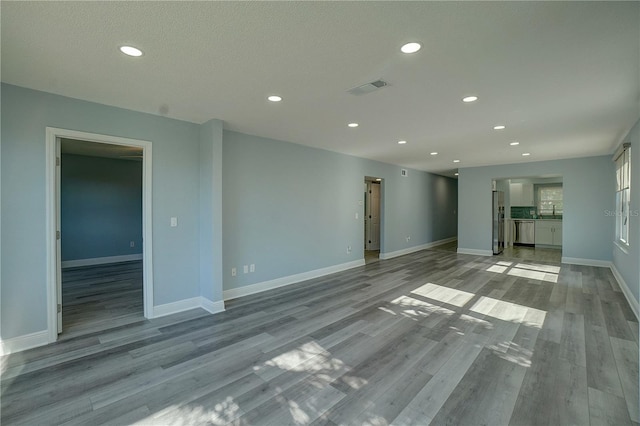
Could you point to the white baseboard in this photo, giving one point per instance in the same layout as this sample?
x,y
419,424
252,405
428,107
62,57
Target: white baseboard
x,y
187,304
100,260
586,262
475,252
625,290
291,279
409,250
22,343
175,307
41,338
211,306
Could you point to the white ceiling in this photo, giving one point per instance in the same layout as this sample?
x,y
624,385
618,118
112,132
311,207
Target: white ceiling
x,y
562,76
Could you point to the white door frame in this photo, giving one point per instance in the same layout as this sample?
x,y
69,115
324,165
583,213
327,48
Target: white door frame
x,y
53,262
369,182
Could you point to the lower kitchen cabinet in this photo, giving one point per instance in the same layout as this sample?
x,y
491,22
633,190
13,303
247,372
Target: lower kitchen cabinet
x,y
549,232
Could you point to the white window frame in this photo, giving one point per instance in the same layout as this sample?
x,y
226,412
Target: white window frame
x,y
623,194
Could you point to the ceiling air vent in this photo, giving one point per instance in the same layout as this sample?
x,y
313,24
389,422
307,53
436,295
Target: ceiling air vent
x,y
367,88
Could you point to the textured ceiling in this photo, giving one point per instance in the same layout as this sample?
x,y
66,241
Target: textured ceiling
x,y
562,76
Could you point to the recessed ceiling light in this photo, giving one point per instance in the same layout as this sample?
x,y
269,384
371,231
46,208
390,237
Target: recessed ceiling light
x,y
131,51
274,98
456,161
514,143
470,99
434,153
456,174
526,154
352,124
402,142
378,180
411,47
499,127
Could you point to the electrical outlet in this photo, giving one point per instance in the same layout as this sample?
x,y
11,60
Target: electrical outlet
x,y
252,267
348,249
357,216
174,222
408,238
245,269
234,272
132,243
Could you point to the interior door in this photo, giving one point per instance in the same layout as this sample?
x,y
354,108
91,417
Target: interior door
x,y
58,238
374,217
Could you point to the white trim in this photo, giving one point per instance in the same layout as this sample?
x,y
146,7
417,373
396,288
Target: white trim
x,y
409,250
187,304
586,262
622,246
41,338
175,307
52,134
291,279
625,290
101,260
475,252
211,306
22,343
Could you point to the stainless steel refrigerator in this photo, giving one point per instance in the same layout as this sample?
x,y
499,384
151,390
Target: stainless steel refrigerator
x,y
498,222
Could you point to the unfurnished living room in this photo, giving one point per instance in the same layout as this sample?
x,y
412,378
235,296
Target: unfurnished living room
x,y
328,213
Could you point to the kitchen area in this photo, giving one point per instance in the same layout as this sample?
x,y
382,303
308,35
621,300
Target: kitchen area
x,y
527,217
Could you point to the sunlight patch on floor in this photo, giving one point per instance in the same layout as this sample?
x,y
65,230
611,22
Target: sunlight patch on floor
x,y
507,311
532,271
309,357
542,268
414,308
515,354
298,415
220,414
535,275
444,294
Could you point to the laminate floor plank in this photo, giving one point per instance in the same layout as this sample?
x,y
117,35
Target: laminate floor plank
x,y
433,337
626,355
607,409
615,321
486,394
602,373
572,342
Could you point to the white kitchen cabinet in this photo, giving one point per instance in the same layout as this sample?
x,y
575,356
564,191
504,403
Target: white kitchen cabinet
x,y
521,194
549,232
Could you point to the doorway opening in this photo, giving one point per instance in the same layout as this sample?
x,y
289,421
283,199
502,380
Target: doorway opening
x,y
533,217
98,232
372,218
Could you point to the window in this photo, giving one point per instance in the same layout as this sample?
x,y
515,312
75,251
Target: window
x,y
623,194
550,200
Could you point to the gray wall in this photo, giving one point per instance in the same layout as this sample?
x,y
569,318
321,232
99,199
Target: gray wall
x,y
101,207
25,116
285,207
587,232
289,209
627,261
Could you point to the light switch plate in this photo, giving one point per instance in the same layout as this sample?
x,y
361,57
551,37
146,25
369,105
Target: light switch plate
x,y
174,222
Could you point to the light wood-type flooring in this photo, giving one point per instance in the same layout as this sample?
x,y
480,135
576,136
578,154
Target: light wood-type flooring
x,y
433,337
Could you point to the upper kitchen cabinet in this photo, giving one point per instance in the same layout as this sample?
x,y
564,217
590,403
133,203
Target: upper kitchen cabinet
x,y
521,194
